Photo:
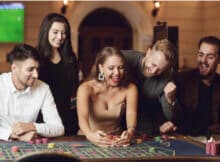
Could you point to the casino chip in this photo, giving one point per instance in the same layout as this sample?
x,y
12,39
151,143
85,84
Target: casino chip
x,y
15,149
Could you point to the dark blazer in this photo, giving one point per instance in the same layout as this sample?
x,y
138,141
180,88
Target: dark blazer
x,y
187,94
153,108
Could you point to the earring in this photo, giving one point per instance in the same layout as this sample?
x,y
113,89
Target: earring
x,y
101,76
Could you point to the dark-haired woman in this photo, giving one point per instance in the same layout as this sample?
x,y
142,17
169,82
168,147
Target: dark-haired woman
x,y
59,66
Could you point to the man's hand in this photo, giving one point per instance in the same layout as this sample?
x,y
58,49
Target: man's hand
x,y
13,136
20,128
168,127
27,136
170,92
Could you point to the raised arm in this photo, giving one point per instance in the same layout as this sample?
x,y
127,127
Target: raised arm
x,y
168,100
171,108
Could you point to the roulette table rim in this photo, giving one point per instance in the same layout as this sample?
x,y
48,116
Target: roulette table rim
x,y
46,154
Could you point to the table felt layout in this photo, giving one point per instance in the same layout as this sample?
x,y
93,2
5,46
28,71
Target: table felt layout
x,y
86,150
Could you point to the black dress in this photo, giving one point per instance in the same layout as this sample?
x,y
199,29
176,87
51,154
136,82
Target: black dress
x,y
63,81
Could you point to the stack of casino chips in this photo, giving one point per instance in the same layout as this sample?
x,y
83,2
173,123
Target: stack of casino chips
x,y
15,149
213,147
39,141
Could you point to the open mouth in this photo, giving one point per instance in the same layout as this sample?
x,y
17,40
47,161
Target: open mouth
x,y
203,67
115,79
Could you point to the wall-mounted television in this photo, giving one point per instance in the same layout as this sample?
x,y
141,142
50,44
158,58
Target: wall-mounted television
x,y
11,22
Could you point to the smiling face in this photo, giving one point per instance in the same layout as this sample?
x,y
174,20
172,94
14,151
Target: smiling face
x,y
57,34
154,63
113,69
25,73
207,59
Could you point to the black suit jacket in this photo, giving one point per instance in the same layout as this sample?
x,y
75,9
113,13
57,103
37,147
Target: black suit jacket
x,y
187,94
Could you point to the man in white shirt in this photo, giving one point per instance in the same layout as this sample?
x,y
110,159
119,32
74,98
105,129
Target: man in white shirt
x,y
22,96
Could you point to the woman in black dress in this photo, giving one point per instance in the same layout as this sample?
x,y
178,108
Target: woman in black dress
x,y
59,66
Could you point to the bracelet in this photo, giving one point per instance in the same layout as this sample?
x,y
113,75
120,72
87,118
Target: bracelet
x,y
173,103
132,128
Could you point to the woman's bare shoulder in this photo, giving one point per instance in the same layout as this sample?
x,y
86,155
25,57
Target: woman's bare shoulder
x,y
131,86
88,85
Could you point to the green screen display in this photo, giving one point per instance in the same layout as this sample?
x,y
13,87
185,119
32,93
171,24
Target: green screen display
x,y
11,22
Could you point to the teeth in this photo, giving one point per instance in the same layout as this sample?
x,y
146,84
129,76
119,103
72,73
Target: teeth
x,y
115,79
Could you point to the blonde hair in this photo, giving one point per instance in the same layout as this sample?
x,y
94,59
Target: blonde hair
x,y
168,49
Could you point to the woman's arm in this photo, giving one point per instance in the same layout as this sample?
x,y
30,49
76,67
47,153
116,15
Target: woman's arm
x,y
97,137
131,109
131,116
83,97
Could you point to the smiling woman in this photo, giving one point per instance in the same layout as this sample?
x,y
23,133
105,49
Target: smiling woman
x,y
59,66
105,98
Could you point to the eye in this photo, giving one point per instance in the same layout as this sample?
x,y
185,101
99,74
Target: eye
x,y
121,67
110,67
154,65
200,54
30,69
211,56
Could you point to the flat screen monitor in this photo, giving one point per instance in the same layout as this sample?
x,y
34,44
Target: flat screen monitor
x,y
11,22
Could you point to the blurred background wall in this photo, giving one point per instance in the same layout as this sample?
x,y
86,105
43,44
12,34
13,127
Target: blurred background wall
x,y
128,24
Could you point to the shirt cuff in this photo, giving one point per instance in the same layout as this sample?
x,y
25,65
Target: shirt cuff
x,y
38,128
5,134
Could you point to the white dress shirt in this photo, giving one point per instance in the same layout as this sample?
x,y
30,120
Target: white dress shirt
x,y
24,106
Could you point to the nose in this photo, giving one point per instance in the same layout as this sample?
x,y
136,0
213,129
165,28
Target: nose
x,y
116,71
35,73
154,70
59,35
204,59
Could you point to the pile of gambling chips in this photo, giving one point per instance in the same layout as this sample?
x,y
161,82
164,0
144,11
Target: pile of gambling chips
x,y
212,147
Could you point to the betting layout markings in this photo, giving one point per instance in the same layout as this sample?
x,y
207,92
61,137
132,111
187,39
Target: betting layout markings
x,y
86,150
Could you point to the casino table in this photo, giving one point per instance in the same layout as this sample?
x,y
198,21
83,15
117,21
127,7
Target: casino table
x,y
178,148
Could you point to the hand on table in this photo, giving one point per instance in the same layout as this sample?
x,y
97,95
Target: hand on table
x,y
124,140
168,127
13,136
100,138
24,137
20,128
28,136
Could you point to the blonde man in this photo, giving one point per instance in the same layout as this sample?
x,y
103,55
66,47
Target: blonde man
x,y
152,73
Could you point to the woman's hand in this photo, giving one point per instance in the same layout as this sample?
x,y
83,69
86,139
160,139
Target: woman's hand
x,y
99,138
125,138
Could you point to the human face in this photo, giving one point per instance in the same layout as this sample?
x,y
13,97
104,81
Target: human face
x,y
113,69
57,34
207,59
25,73
154,63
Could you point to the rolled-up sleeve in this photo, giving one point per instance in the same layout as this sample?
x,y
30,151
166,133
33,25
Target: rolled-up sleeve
x,y
52,125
